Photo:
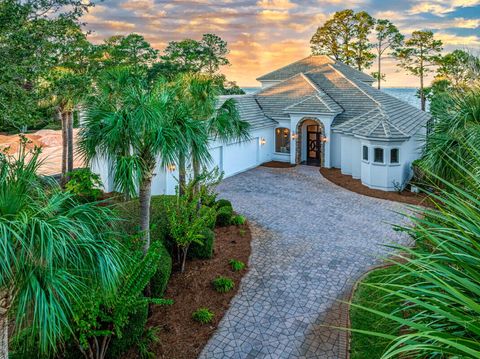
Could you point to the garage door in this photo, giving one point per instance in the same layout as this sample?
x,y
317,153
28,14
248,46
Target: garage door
x,y
241,156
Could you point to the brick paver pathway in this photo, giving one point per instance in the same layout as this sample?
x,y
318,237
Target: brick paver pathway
x,y
311,240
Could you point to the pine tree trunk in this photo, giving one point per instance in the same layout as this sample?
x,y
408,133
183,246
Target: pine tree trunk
x,y
422,94
379,75
63,119
4,325
70,141
182,174
145,199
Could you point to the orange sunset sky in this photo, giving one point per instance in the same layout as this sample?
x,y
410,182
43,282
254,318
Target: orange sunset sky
x,y
266,34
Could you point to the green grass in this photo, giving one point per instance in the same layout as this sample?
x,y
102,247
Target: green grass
x,y
366,346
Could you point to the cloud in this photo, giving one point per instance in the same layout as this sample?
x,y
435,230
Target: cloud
x,y
276,4
440,7
456,40
274,15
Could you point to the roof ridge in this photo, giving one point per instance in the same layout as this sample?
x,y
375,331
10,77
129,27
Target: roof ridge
x,y
299,102
293,63
320,91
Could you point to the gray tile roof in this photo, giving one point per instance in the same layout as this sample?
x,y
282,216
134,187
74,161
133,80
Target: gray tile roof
x,y
249,110
291,94
335,88
311,63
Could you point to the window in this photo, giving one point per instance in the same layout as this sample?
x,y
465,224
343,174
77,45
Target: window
x,y
394,155
378,155
365,153
282,140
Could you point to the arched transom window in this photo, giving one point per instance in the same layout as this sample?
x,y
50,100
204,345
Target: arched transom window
x,y
282,140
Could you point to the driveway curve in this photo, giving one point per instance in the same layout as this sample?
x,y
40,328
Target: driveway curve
x,y
311,240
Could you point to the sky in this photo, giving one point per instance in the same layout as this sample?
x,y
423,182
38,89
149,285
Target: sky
x,y
264,35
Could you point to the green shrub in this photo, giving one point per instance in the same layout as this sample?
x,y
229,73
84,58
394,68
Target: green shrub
x,y
236,265
203,250
238,220
133,332
223,284
160,279
223,203
224,216
203,315
84,184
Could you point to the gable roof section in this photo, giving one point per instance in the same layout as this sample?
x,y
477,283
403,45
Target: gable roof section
x,y
249,110
311,63
276,101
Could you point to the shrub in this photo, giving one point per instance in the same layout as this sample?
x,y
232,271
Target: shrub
x,y
133,329
236,265
84,184
187,223
203,315
224,216
203,250
160,279
223,284
238,220
223,203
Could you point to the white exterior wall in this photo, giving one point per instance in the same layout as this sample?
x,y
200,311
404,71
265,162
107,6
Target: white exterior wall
x,y
355,152
336,148
266,84
346,154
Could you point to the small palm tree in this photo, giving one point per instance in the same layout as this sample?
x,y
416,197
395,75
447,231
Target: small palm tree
x,y
127,124
197,99
49,245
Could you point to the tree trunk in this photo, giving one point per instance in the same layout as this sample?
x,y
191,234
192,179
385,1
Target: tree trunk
x,y
70,141
4,304
422,94
63,119
196,174
182,174
145,198
379,75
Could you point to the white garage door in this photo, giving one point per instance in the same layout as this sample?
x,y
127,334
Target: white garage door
x,y
241,156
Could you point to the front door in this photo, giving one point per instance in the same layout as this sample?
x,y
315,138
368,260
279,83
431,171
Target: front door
x,y
313,145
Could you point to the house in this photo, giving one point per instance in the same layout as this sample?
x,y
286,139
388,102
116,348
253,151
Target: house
x,y
318,111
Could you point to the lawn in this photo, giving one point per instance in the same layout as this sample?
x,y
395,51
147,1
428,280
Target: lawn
x,y
365,346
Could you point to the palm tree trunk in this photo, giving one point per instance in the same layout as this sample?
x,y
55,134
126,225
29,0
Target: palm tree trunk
x,y
70,141
63,119
4,325
196,174
182,174
145,198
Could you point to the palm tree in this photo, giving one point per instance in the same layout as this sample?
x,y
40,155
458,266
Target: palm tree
x,y
49,243
197,99
126,123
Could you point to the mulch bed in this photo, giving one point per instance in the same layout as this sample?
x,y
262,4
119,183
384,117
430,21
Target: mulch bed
x,y
277,164
335,175
180,336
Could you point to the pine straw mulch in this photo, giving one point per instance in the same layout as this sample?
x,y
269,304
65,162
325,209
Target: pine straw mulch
x,y
334,175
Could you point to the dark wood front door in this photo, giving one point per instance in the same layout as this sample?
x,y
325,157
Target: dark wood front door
x,y
314,145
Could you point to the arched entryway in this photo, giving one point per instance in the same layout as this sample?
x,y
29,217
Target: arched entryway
x,y
310,147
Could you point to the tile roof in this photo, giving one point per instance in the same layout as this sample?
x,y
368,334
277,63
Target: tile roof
x,y
249,110
275,99
311,63
335,88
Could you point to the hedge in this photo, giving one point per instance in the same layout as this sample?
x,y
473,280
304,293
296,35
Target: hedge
x,y
223,203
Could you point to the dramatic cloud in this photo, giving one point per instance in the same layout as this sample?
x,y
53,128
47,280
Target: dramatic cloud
x,y
266,34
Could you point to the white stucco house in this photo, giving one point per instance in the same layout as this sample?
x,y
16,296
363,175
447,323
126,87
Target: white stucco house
x,y
318,111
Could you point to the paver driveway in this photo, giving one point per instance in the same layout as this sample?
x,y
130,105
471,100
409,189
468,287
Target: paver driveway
x,y
311,240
